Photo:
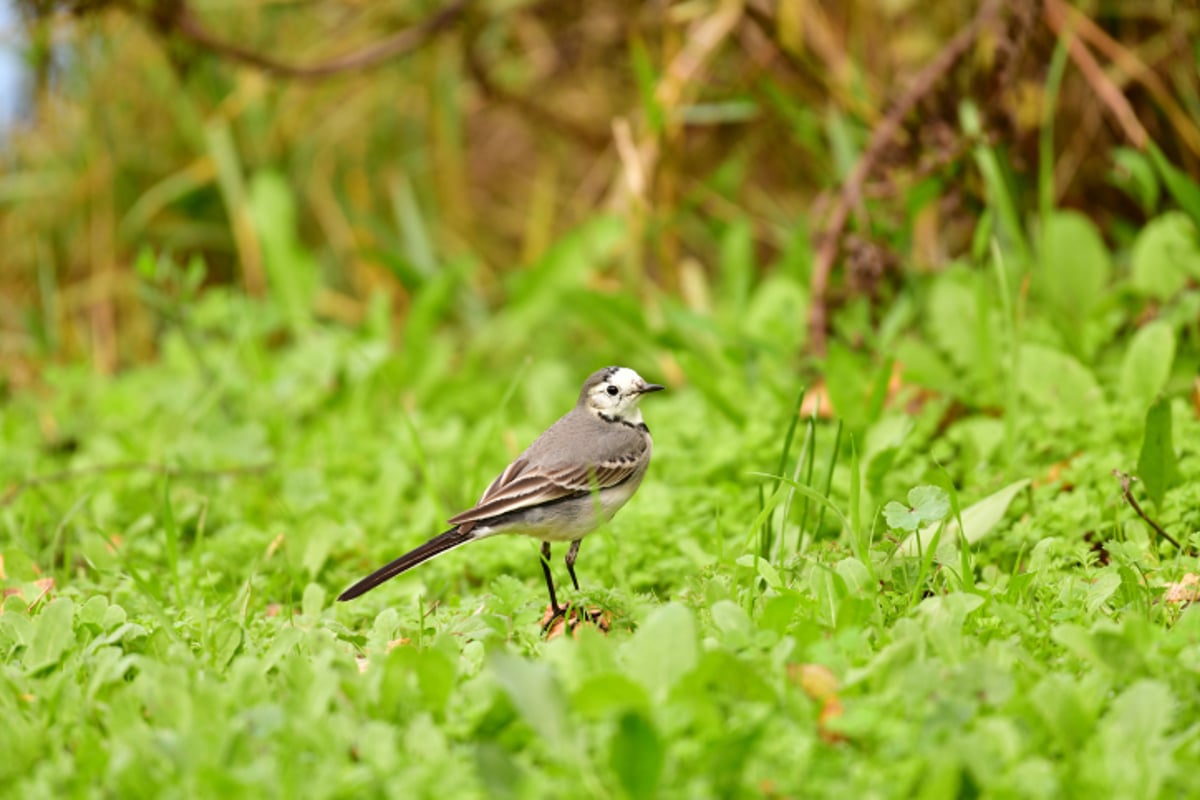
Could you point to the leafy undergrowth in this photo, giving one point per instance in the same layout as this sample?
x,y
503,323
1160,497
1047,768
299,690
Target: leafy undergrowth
x,y
939,591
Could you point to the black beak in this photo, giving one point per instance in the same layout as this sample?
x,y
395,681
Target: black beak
x,y
650,387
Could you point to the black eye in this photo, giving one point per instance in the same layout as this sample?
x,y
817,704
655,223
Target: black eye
x,y
612,390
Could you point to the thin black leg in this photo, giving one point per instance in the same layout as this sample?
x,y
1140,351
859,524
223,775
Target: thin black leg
x,y
555,610
573,554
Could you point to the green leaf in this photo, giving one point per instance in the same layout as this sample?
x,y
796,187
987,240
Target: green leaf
x,y
292,271
900,517
1147,363
313,600
1134,172
535,694
1101,589
925,504
53,633
1073,272
731,620
664,648
226,640
1054,381
848,380
93,611
637,755
1157,464
764,569
1138,757
978,520
1165,254
1057,699
1183,189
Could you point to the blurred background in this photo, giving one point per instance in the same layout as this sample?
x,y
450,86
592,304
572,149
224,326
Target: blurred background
x,y
335,153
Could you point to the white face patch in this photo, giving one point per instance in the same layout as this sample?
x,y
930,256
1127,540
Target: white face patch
x,y
618,394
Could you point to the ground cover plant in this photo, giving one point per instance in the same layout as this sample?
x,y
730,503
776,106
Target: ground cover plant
x,y
945,543
774,629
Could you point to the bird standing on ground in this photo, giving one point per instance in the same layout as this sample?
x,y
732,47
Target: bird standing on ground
x,y
574,477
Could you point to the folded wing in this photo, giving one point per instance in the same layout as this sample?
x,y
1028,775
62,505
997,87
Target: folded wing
x,y
523,485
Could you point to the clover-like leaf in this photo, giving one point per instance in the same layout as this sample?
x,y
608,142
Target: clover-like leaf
x,y
925,504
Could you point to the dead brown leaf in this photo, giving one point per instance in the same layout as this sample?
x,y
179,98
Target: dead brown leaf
x,y
819,683
572,621
1186,590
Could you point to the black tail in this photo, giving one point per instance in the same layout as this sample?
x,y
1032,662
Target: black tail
x,y
435,546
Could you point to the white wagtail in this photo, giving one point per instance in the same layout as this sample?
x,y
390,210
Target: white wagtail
x,y
573,477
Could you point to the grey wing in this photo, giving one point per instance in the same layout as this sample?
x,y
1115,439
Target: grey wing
x,y
524,485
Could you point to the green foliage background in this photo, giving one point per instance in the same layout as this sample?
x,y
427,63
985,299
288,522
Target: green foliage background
x,y
262,335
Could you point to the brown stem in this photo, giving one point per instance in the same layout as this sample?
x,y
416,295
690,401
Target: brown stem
x,y
179,18
592,139
1108,92
1127,491
882,136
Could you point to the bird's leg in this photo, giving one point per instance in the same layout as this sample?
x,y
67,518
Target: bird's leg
x,y
555,611
573,554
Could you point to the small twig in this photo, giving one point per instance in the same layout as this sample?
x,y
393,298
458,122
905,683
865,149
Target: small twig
x,y
1127,491
881,137
14,490
180,18
1127,60
589,137
1108,92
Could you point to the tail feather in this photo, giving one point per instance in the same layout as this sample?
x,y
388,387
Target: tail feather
x,y
435,546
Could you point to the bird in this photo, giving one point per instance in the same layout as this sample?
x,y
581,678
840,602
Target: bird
x,y
573,478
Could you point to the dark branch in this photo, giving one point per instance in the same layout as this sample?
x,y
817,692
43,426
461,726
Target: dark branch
x,y
881,137
588,137
180,19
1127,491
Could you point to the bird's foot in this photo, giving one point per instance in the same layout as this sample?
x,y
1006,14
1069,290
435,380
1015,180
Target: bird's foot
x,y
553,614
558,621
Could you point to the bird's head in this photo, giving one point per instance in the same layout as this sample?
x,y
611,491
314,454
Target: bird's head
x,y
614,392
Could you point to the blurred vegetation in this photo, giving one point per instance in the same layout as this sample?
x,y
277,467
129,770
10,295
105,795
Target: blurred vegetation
x,y
405,142
344,259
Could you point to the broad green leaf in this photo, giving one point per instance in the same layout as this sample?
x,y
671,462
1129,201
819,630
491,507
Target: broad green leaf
x,y
1073,271
93,611
978,520
1056,698
733,623
1165,254
778,301
664,648
535,693
53,633
1157,465
1147,363
1054,381
1100,590
1138,757
953,317
637,755
599,696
